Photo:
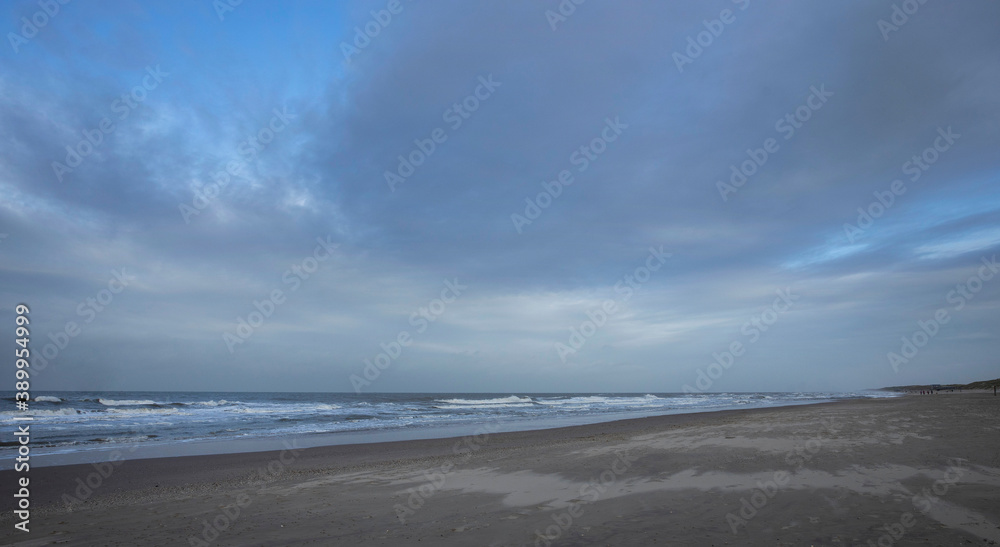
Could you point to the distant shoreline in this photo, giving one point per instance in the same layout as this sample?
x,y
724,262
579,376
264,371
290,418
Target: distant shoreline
x,y
984,385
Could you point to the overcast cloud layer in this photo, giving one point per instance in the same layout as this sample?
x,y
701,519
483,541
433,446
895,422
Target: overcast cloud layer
x,y
670,118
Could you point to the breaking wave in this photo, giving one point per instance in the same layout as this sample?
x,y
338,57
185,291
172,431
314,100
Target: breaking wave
x,y
125,402
513,399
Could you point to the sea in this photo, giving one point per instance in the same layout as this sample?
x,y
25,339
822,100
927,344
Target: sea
x,y
80,427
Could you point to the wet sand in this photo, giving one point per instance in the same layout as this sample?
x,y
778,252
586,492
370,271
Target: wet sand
x,y
915,470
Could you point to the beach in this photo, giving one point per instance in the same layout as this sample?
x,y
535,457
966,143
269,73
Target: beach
x,y
896,471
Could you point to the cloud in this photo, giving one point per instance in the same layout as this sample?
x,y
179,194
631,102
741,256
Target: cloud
x,y
656,184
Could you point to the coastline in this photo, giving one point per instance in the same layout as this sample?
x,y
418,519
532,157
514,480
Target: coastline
x,y
178,470
275,442
509,488
88,427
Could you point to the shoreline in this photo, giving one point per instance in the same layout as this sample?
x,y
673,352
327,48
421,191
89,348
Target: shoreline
x,y
832,473
235,464
207,447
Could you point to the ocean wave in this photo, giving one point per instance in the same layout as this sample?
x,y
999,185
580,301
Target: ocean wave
x,y
492,406
122,440
255,410
644,401
125,402
324,406
126,411
479,402
37,413
574,401
47,399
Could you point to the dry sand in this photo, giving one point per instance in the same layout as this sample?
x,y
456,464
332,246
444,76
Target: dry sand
x,y
917,470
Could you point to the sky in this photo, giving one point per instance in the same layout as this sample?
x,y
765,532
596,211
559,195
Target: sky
x,y
458,196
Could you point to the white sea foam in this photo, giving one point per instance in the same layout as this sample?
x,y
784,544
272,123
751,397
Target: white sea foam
x,y
322,406
125,402
480,402
574,401
493,406
42,413
210,403
138,411
48,399
593,400
256,410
